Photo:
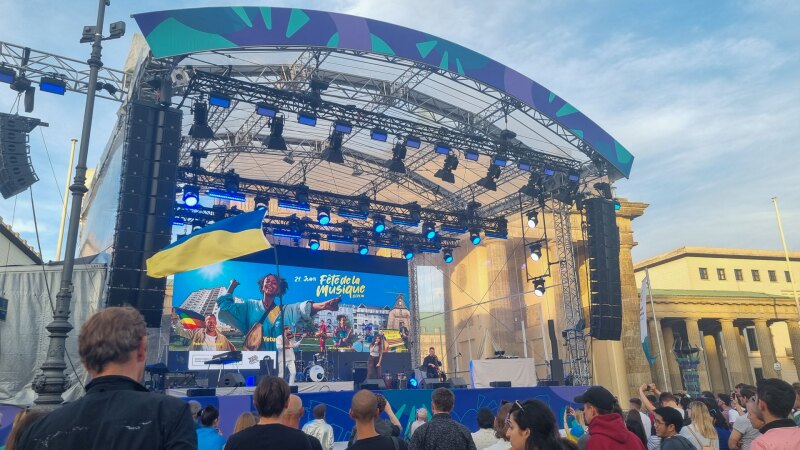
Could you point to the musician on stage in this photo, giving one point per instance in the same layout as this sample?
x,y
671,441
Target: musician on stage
x,y
433,366
376,351
343,333
288,348
260,319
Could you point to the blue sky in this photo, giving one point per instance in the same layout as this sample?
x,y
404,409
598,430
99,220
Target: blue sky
x,y
706,95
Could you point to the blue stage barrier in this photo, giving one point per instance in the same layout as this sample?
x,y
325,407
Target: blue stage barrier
x,y
403,402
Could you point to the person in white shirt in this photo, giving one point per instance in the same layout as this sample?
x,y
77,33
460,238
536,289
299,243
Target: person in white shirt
x,y
288,348
422,417
636,403
319,428
724,402
484,437
500,429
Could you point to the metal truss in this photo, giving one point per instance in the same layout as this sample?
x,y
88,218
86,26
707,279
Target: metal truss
x,y
575,339
413,303
411,212
75,73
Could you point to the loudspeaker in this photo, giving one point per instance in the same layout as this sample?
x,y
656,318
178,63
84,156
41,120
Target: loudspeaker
x,y
500,384
458,383
16,170
359,374
435,383
373,383
201,392
604,277
548,383
551,331
232,379
557,371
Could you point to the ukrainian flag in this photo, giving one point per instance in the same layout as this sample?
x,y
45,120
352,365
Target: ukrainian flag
x,y
227,239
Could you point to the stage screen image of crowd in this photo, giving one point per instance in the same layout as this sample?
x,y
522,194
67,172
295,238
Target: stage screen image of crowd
x,y
332,302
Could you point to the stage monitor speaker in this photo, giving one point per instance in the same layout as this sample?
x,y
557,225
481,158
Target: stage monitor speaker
x,y
497,384
373,384
435,383
548,383
359,374
201,392
458,383
232,379
604,269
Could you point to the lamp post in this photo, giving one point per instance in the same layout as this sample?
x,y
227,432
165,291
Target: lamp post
x,y
51,382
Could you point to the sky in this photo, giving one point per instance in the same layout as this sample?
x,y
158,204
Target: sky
x,y
706,95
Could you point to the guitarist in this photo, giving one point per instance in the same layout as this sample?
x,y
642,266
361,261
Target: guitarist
x,y
287,344
433,366
260,319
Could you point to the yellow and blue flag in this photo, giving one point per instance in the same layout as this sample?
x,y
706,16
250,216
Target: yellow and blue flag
x,y
227,239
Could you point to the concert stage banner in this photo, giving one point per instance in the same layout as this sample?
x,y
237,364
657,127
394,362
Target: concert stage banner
x,y
332,301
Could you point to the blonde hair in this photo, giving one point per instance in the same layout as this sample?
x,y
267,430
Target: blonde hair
x,y
245,420
702,420
110,336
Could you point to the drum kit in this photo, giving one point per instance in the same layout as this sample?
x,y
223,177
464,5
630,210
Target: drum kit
x,y
321,369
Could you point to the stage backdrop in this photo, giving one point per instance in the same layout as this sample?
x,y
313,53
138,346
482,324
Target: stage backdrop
x,y
339,300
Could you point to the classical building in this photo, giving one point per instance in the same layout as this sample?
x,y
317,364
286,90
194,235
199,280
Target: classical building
x,y
735,306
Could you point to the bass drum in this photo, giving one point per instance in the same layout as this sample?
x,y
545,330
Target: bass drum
x,y
315,373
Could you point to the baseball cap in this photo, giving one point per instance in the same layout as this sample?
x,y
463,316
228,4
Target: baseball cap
x,y
599,397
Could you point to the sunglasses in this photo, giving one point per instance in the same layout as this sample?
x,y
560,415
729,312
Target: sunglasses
x,y
517,404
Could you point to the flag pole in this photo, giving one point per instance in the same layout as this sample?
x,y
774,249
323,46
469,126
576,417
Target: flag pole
x,y
667,381
786,254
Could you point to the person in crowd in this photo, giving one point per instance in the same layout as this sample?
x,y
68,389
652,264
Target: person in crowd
x,y
260,319
744,432
22,421
208,437
432,364
633,422
376,350
271,398
532,426
573,424
422,417
606,427
286,345
195,408
245,420
442,432
719,422
700,432
208,338
117,411
319,428
291,418
364,411
796,409
669,422
501,428
724,402
635,403
664,399
484,437
775,399
384,427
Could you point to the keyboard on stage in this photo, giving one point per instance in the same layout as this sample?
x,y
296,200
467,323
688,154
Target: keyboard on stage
x,y
226,358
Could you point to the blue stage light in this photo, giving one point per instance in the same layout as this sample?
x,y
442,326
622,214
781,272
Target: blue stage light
x,y
225,195
522,165
306,118
413,142
573,176
475,236
500,161
617,205
313,243
323,215
178,221
191,195
363,249
471,155
217,99
292,204
378,223
53,85
408,253
379,134
7,75
429,229
448,256
264,109
442,148
549,171
343,127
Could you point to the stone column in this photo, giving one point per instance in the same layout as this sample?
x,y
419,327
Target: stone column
x,y
794,338
660,354
737,361
766,348
673,370
693,336
714,367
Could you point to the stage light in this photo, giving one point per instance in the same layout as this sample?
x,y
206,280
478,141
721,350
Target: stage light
x,y
323,215
261,201
549,171
429,230
408,253
219,99
617,205
413,383
499,161
488,181
538,287
363,249
533,219
178,221
200,128
475,236
343,127
448,256
441,148
396,164
413,141
267,110
191,195
379,134
275,139
378,223
471,155
333,153
7,75
573,176
522,165
313,242
536,251
446,172
53,85
533,187
306,118
225,195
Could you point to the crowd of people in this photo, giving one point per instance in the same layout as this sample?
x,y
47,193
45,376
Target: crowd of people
x,y
118,412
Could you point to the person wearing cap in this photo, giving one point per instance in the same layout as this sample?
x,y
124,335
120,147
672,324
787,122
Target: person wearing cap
x,y
607,431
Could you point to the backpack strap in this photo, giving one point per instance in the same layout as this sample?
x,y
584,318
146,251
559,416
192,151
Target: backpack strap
x,y
395,443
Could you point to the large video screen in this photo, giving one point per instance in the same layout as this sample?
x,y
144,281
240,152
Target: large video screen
x,y
333,302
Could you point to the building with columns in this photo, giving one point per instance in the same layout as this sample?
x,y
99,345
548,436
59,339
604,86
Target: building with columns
x,y
736,306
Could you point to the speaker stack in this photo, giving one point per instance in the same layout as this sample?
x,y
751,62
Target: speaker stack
x,y
16,170
604,278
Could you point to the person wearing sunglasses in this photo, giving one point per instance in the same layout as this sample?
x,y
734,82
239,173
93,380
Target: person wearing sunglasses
x,y
607,430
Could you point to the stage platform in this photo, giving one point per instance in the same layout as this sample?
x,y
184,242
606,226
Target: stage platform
x,y
404,403
324,386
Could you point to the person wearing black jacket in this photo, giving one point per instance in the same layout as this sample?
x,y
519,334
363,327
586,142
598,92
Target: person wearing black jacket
x,y
117,411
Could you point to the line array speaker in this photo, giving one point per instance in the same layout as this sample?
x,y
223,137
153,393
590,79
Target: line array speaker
x,y
16,170
604,278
